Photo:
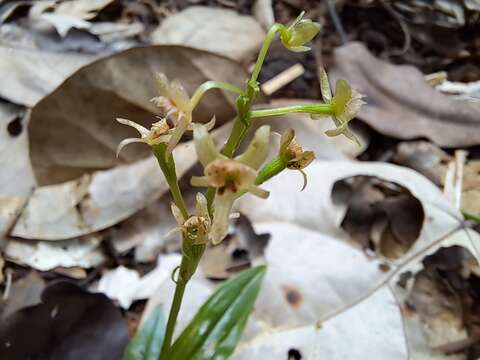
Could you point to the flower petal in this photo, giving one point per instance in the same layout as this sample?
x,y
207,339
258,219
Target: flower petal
x,y
201,205
286,139
176,136
180,96
125,142
177,214
204,146
222,206
142,130
325,85
255,190
257,150
163,86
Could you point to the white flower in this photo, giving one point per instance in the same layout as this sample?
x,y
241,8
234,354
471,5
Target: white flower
x,y
231,178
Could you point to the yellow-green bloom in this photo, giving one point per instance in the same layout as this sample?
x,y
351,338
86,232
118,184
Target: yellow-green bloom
x,y
230,177
299,33
197,227
296,158
173,98
346,104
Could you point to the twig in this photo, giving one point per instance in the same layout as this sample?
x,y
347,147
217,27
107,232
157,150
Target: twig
x,y
282,79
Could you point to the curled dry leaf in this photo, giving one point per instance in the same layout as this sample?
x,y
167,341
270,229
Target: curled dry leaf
x,y
401,104
78,117
221,31
69,324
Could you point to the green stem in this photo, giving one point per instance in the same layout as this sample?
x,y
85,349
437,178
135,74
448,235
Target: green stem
x,y
272,168
236,135
317,109
208,85
263,51
168,169
174,310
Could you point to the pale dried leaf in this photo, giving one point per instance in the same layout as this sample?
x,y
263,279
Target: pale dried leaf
x,y
372,330
220,31
98,201
44,256
32,74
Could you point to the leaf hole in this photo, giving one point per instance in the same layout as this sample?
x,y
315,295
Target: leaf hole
x,y
294,354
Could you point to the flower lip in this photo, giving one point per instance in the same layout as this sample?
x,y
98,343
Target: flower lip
x,y
226,174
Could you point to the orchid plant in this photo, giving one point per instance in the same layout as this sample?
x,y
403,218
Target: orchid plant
x,y
226,174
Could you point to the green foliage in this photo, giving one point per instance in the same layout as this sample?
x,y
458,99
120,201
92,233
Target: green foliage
x,y
217,327
147,343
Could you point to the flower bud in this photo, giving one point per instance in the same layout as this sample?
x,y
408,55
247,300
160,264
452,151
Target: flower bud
x,y
299,33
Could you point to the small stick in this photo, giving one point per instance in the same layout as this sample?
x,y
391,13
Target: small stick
x,y
282,79
460,157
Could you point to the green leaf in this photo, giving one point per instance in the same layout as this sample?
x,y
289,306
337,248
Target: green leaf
x,y
471,217
147,343
217,327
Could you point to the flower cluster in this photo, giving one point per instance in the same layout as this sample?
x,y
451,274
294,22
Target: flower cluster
x,y
229,177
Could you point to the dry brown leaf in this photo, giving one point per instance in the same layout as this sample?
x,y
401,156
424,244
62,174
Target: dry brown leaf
x,y
220,31
79,116
424,157
401,104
